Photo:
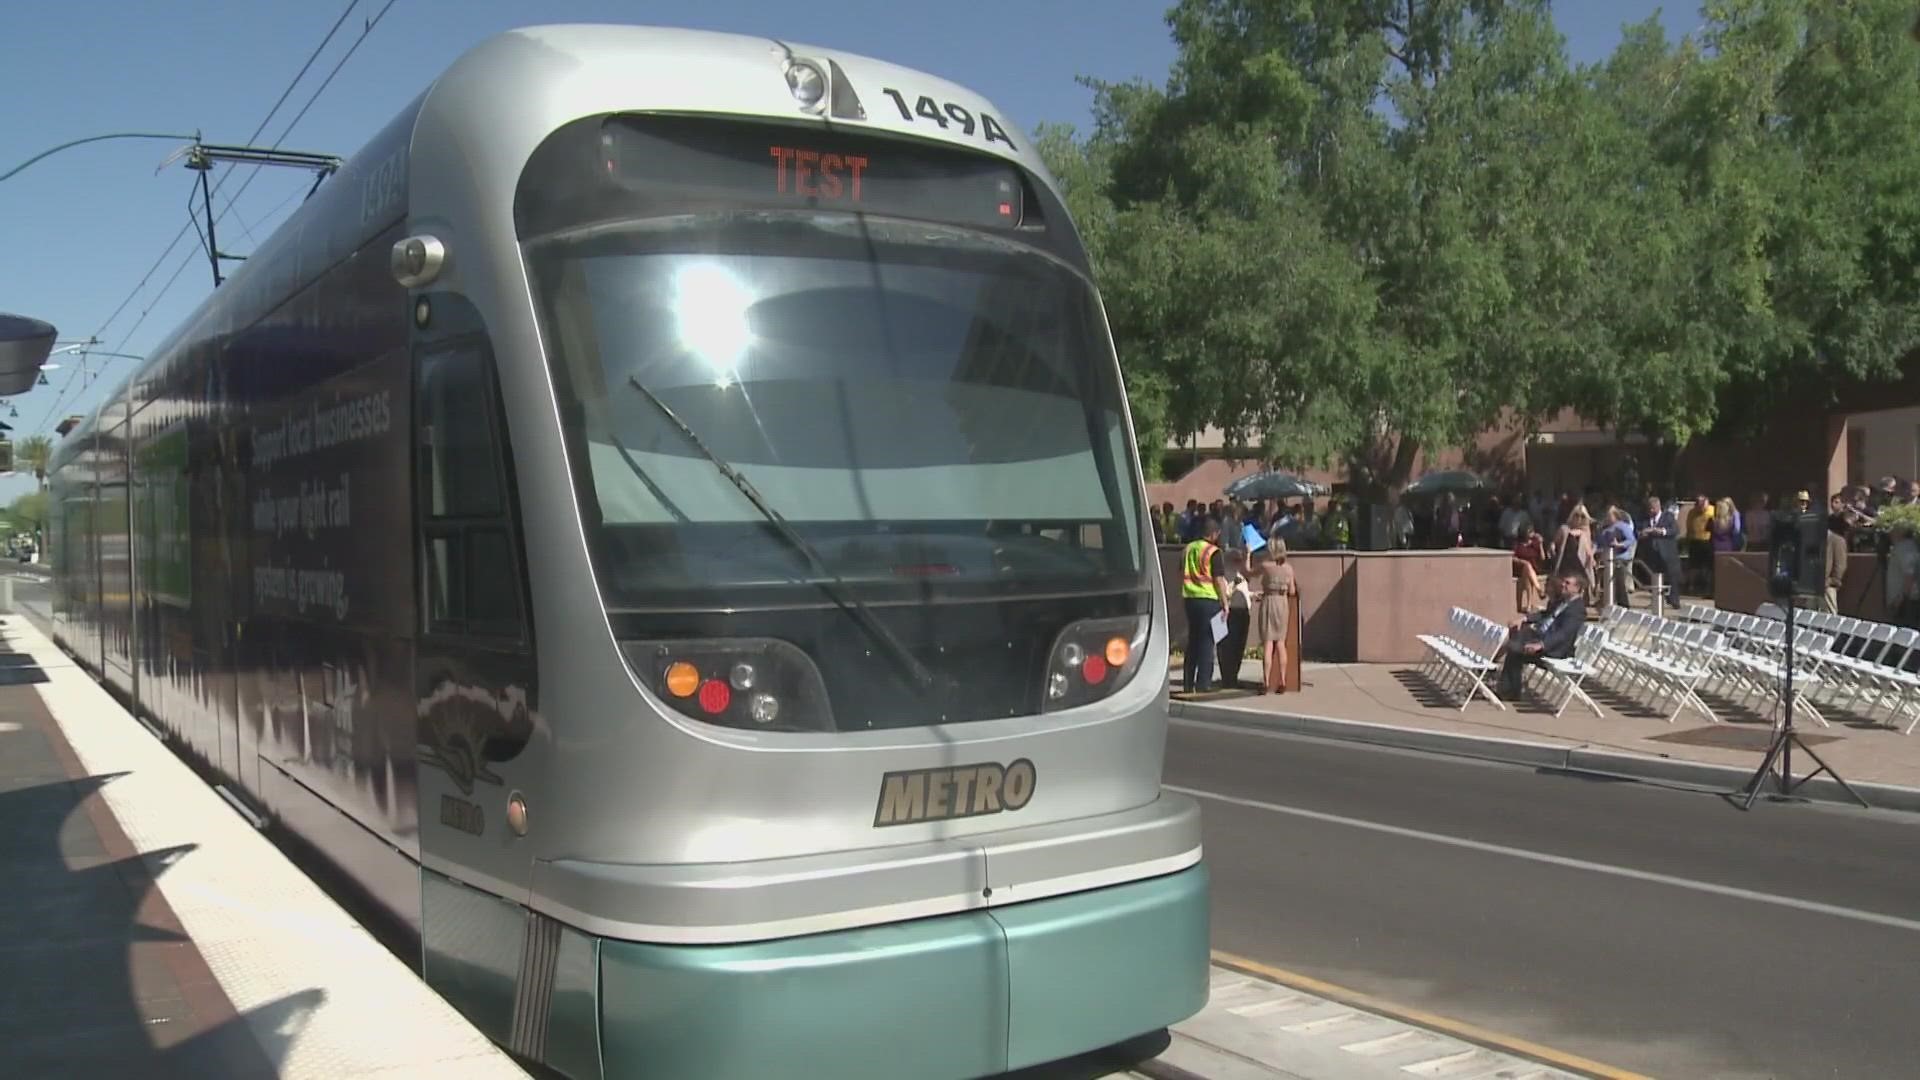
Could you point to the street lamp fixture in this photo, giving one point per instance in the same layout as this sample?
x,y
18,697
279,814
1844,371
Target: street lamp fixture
x,y
44,154
24,345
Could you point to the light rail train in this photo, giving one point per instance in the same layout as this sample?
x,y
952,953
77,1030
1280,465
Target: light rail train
x,y
664,519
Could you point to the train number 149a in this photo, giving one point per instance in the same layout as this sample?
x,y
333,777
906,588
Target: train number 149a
x,y
947,114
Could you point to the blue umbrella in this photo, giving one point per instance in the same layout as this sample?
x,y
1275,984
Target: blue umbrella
x,y
1272,485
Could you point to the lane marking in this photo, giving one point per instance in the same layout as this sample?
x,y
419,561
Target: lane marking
x,y
1737,893
1407,1014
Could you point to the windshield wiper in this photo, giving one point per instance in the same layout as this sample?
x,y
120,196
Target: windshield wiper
x,y
828,581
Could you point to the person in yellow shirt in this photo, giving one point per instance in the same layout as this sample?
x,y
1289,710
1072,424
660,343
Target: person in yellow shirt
x,y
1203,588
1700,542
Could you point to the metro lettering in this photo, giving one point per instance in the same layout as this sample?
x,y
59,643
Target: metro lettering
x,y
963,785
1019,784
903,798
965,791
987,794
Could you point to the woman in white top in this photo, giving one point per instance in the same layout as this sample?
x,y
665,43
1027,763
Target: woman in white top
x,y
1233,647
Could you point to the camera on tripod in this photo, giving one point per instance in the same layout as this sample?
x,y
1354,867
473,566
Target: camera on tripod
x,y
1797,555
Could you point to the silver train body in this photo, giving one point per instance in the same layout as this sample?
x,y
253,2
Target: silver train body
x,y
428,574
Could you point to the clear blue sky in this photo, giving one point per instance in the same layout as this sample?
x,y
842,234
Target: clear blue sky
x,y
81,228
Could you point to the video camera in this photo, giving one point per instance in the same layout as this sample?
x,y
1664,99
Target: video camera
x,y
1797,555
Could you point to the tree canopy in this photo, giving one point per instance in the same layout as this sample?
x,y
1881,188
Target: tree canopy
x,y
1346,230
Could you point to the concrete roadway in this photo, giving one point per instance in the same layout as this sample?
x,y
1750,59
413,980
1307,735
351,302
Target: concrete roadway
x,y
1656,930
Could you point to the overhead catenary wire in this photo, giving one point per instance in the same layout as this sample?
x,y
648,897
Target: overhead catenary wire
x,y
284,132
73,379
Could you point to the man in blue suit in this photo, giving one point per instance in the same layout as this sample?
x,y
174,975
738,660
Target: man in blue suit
x,y
1551,631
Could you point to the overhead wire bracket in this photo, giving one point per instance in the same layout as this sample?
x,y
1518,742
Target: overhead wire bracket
x,y
201,158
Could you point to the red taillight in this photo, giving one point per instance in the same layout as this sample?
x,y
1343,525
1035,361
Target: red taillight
x,y
1093,670
715,696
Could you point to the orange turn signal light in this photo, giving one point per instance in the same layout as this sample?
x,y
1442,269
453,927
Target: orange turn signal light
x,y
682,679
1117,652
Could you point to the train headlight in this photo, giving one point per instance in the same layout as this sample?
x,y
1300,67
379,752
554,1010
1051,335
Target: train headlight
x,y
1092,659
808,83
758,684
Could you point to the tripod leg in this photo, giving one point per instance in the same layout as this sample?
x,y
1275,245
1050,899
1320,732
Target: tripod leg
x,y
1765,771
1828,769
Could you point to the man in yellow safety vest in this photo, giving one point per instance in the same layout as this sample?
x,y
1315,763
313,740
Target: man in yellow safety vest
x,y
1203,586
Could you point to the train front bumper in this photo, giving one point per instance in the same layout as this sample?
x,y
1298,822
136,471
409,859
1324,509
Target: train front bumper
x,y
962,995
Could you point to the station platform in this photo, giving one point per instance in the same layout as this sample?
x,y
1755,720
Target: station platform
x,y
149,930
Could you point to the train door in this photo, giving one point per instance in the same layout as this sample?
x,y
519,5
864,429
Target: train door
x,y
473,666
217,506
239,755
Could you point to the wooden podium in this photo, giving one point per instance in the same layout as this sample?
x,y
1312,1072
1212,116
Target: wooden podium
x,y
1295,631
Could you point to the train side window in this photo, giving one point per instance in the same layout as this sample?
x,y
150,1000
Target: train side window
x,y
493,603
470,576
455,416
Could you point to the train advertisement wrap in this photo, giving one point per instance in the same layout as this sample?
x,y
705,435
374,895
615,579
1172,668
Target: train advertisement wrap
x,y
163,542
328,518
322,487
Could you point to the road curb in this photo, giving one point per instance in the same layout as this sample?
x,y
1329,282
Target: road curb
x,y
1560,758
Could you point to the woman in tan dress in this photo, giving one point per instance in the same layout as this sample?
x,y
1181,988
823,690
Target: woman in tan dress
x,y
1277,590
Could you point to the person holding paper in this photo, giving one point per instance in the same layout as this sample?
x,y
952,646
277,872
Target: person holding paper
x,y
1277,590
1233,647
1203,585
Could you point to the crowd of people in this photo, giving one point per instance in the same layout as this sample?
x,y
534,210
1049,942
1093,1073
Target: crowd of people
x,y
1572,538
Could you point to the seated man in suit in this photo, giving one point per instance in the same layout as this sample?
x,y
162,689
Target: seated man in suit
x,y
1551,631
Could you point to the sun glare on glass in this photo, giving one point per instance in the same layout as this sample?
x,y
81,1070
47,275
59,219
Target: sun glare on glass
x,y
711,310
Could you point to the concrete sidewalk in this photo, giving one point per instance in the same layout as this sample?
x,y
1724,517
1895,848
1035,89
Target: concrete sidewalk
x,y
1393,705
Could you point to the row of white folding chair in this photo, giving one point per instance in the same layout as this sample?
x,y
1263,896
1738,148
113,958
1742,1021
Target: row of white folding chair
x,y
1748,673
1743,631
1571,672
1742,664
1667,658
1851,636
1464,655
1872,666
1766,639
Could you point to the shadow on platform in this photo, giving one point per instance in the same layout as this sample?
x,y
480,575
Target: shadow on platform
x,y
101,978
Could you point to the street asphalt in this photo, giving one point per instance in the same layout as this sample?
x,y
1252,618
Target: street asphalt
x,y
1656,930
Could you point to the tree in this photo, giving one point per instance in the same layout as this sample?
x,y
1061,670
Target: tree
x,y
29,511
1342,227
1081,170
1355,229
1802,125
34,452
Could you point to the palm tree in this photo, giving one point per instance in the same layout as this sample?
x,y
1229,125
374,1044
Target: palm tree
x,y
34,452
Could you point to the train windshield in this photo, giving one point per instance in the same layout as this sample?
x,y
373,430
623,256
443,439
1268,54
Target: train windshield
x,y
931,408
